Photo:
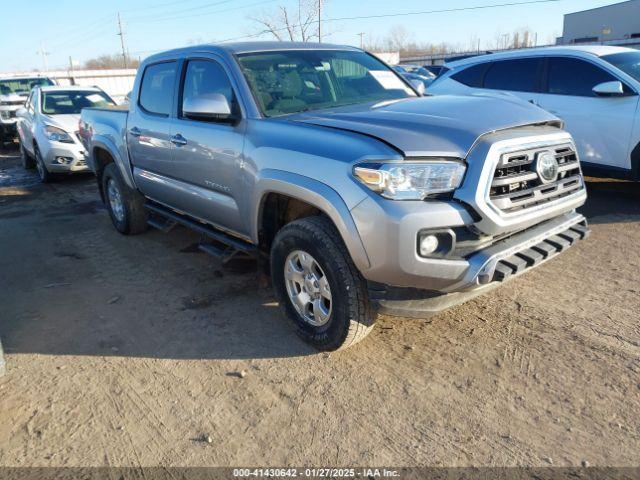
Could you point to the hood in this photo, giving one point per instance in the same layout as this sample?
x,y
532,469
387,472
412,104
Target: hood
x,y
69,123
14,98
444,125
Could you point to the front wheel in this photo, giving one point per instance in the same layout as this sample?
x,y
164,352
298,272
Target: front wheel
x,y
318,286
26,159
125,205
45,175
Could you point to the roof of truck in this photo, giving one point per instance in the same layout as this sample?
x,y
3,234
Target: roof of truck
x,y
249,47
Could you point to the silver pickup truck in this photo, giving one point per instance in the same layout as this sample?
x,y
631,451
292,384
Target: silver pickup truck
x,y
357,194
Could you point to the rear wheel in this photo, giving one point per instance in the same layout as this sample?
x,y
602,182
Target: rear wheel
x,y
27,161
318,286
45,175
125,205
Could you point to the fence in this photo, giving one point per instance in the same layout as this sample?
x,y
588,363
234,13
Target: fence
x,y
116,83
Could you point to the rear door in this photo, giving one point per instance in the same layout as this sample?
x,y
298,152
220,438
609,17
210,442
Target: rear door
x,y
601,126
149,126
207,158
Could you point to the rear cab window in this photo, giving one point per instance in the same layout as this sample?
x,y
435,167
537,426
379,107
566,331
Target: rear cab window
x,y
157,88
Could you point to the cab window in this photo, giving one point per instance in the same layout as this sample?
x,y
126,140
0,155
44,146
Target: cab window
x,y
156,91
204,77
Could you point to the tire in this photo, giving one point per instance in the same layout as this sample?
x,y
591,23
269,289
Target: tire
x,y
350,316
45,175
131,218
27,161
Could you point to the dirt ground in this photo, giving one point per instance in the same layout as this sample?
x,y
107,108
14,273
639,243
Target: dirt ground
x,y
127,351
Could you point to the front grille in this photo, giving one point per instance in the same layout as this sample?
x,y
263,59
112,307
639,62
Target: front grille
x,y
517,185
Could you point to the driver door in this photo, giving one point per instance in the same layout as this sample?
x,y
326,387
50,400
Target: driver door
x,y
207,158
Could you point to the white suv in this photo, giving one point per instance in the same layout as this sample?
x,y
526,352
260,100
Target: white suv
x,y
47,127
593,89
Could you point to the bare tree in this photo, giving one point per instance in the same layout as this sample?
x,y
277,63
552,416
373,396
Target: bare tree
x,y
398,38
108,62
299,24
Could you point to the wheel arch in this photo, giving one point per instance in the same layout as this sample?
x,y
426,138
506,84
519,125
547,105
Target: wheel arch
x,y
309,194
104,146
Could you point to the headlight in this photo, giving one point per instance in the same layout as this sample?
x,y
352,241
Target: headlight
x,y
56,134
411,181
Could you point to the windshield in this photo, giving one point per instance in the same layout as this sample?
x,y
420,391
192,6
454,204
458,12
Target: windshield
x,y
72,101
628,62
298,81
22,85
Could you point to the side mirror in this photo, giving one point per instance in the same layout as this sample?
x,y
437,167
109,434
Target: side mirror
x,y
609,89
21,112
418,85
209,106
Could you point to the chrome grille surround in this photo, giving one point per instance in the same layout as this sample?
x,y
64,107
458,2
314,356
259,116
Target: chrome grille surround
x,y
478,189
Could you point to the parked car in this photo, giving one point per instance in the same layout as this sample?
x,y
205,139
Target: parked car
x,y
47,128
13,94
437,70
418,81
354,192
593,89
418,70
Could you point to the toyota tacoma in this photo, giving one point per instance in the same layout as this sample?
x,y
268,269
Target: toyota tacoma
x,y
354,192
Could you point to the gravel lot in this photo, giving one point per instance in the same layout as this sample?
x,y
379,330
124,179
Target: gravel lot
x,y
128,351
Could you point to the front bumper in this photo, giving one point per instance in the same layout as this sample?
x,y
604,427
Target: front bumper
x,y
488,268
74,154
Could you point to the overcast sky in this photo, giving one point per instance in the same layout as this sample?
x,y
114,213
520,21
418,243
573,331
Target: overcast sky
x,y
83,29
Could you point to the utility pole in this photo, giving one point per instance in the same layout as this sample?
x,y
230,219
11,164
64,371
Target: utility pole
x,y
319,21
43,53
121,34
361,35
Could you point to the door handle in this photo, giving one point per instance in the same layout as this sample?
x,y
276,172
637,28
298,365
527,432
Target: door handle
x,y
533,102
178,140
135,132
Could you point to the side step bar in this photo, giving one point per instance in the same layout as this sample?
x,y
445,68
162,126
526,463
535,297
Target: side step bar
x,y
232,245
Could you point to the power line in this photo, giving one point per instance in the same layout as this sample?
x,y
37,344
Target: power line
x,y
171,14
204,14
402,14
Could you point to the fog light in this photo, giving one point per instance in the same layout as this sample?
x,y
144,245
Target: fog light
x,y
428,245
63,160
